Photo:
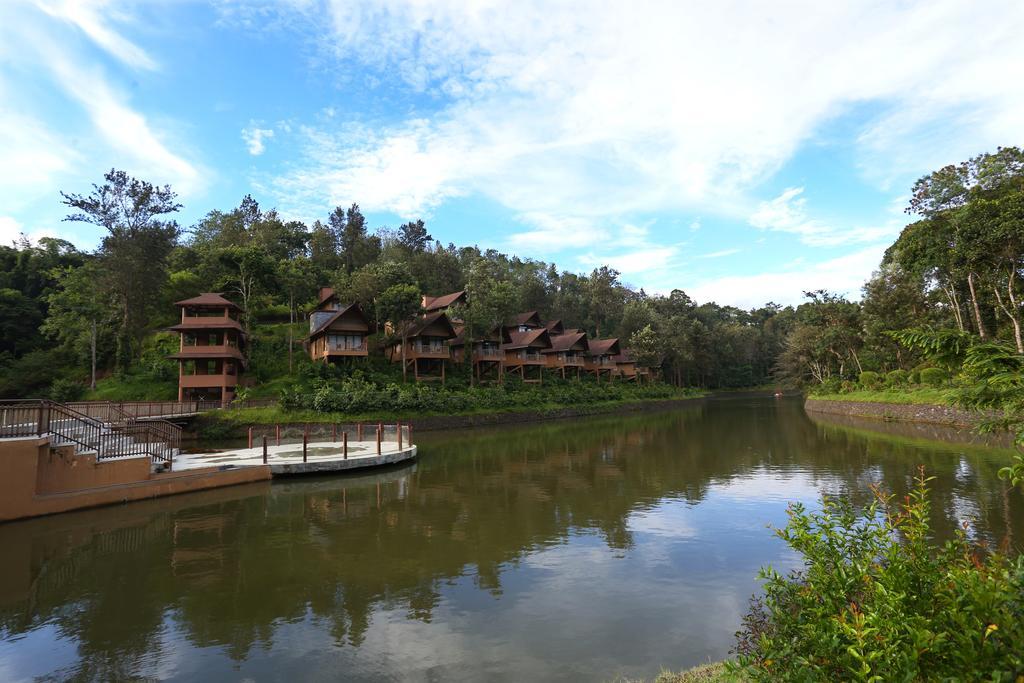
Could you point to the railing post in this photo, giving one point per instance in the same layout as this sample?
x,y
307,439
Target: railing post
x,y
334,433
344,445
264,449
305,441
410,435
277,428
359,431
398,428
250,437
378,439
40,418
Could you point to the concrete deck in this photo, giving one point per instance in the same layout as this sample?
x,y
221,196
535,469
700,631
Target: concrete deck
x,y
286,459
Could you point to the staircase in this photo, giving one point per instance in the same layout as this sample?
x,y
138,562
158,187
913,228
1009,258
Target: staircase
x,y
108,435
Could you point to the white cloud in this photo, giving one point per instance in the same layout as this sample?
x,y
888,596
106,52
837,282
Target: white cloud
x,y
593,110
91,16
788,213
843,275
720,254
254,137
12,230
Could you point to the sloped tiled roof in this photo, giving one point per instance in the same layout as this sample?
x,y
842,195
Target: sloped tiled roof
x,y
564,342
424,321
340,312
435,303
207,299
536,339
554,327
603,347
528,318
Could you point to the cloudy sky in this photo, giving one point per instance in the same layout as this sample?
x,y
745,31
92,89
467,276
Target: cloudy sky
x,y
742,151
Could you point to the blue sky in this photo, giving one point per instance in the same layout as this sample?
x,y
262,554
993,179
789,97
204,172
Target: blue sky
x,y
744,152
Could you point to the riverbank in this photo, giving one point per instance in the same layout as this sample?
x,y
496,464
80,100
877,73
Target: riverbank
x,y
224,424
908,411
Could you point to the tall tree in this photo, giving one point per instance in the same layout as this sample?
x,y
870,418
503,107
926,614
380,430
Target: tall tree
x,y
399,304
80,312
414,236
135,250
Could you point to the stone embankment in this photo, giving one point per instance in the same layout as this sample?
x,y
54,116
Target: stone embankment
x,y
927,413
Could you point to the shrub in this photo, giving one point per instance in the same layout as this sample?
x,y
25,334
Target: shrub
x,y
914,377
64,390
870,379
875,601
896,378
847,387
933,376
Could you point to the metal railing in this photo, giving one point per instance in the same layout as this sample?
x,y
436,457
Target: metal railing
x,y
107,433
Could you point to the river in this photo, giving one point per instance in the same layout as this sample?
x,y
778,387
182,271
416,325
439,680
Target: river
x,y
571,550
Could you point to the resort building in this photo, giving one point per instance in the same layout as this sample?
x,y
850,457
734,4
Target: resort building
x,y
625,367
600,358
209,356
567,353
337,331
554,327
524,322
486,354
427,349
524,353
433,304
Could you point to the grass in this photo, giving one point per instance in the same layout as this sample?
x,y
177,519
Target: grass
x,y
133,388
917,395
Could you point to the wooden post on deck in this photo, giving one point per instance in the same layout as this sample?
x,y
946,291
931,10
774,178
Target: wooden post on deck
x,y
344,445
398,428
359,431
277,428
410,435
250,437
334,433
264,449
305,442
378,439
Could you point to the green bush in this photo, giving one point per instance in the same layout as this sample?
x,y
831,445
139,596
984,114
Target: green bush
x,y
64,390
870,379
914,377
876,601
934,376
896,378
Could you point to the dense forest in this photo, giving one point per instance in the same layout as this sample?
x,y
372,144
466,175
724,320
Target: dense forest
x,y
71,317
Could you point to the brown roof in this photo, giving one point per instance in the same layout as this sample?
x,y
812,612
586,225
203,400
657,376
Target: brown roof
x,y
534,339
208,299
554,327
564,342
499,334
206,324
530,318
603,347
355,308
424,321
436,303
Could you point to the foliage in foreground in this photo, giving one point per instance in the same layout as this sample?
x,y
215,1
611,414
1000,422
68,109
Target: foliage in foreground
x,y
875,601
355,395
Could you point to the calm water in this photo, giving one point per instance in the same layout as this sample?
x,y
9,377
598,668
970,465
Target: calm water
x,y
572,550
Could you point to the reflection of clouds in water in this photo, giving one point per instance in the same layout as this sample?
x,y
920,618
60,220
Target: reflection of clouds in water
x,y
762,484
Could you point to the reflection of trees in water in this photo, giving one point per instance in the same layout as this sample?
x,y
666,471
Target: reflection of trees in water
x,y
332,551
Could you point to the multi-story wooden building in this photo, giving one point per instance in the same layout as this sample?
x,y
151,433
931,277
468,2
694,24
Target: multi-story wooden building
x,y
525,322
427,349
337,331
567,354
486,353
210,357
524,353
600,358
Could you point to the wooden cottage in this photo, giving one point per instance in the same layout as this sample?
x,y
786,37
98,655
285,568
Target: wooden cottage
x,y
337,331
432,304
567,353
209,356
626,368
600,357
427,349
524,353
486,354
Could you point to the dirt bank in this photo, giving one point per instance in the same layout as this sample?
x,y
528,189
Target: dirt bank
x,y
931,414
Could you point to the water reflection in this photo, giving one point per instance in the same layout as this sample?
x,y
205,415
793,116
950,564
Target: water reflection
x,y
572,550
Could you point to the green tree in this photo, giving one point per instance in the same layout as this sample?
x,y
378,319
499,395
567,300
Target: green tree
x,y
80,312
135,251
400,304
414,236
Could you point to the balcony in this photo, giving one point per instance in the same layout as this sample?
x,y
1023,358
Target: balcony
x,y
488,354
207,381
208,351
524,358
424,351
